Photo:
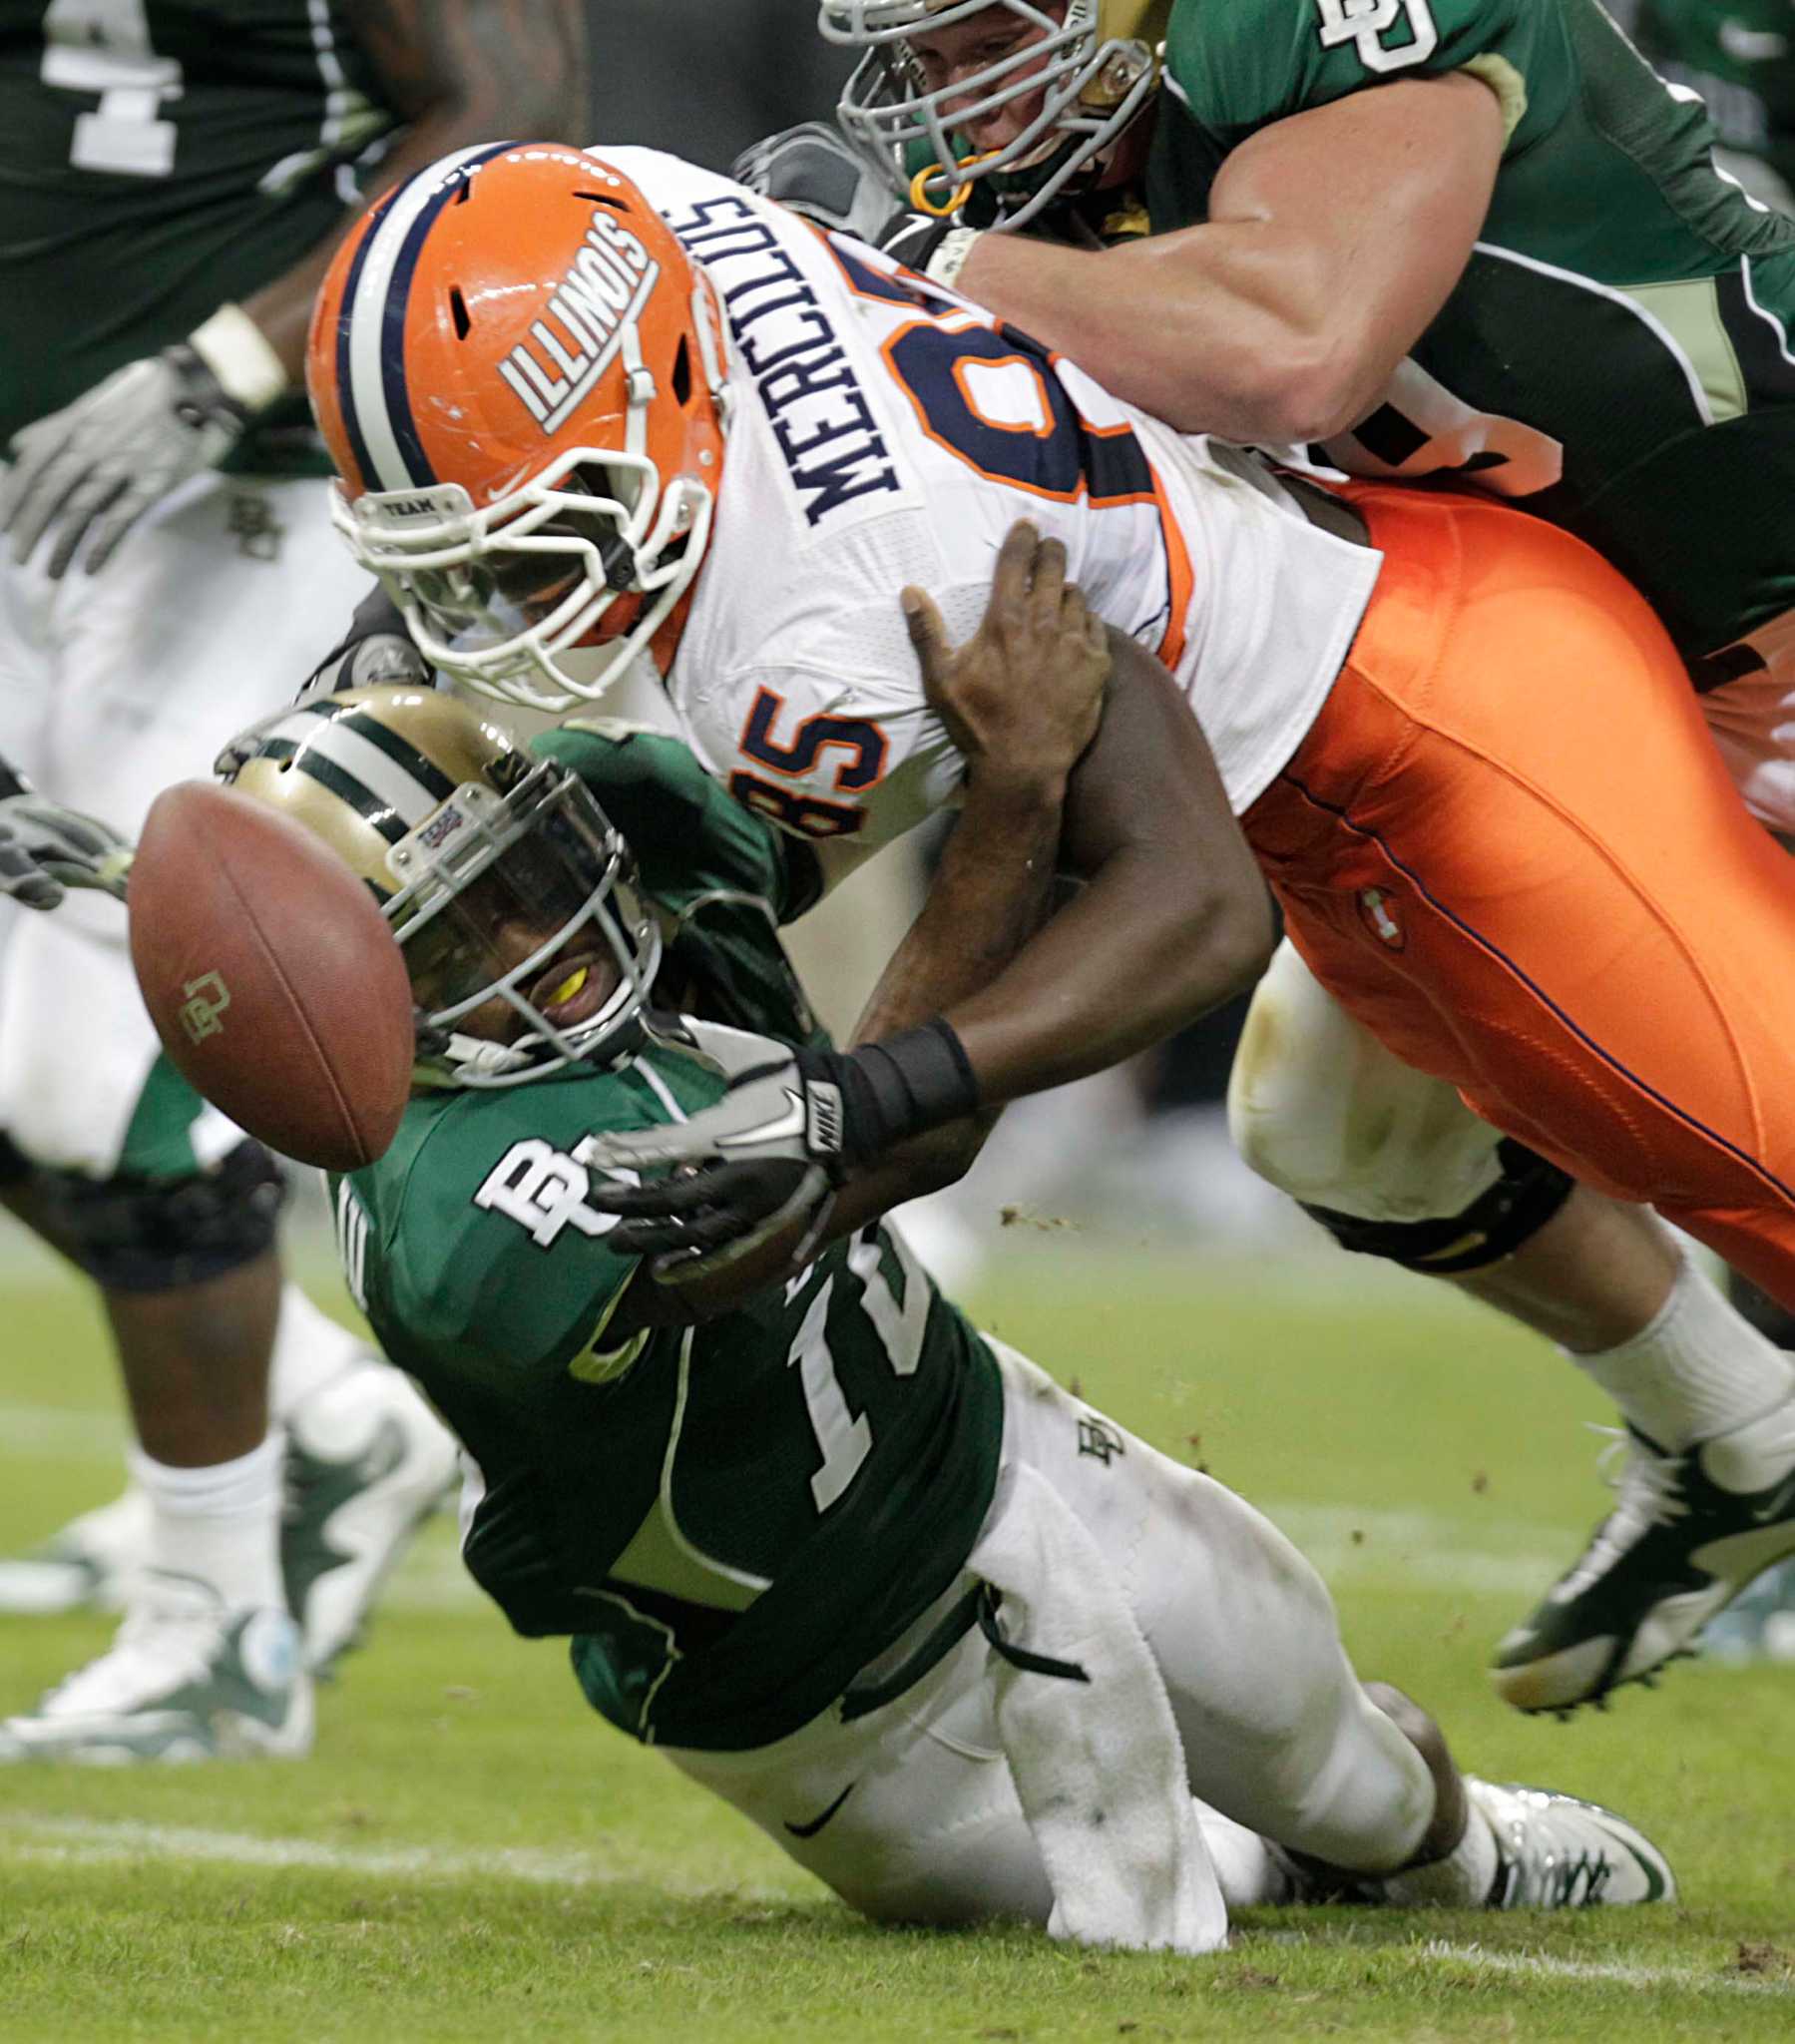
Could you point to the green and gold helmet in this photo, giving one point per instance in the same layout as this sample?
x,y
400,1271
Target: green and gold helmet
x,y
1093,64
502,880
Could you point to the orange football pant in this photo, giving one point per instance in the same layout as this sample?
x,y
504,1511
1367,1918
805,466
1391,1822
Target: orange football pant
x,y
1508,847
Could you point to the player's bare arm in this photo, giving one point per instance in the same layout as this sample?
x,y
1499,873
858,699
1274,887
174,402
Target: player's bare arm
x,y
1333,240
1022,699
1172,920
458,71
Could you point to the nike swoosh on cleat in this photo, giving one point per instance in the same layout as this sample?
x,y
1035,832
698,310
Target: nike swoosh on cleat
x,y
1654,1880
810,1829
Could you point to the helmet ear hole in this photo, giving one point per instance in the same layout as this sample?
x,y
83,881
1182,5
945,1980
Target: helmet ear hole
x,y
458,312
683,374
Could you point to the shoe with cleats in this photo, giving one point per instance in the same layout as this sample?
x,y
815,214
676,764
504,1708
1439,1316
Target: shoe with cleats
x,y
91,1564
186,1678
367,1462
1689,1530
1557,1853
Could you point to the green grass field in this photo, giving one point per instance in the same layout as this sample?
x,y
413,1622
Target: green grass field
x,y
470,1854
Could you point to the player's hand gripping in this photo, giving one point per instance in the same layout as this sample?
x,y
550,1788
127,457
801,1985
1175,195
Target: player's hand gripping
x,y
89,471
45,849
1022,699
815,170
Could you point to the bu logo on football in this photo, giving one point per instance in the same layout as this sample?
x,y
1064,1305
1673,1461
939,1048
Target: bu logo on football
x,y
206,999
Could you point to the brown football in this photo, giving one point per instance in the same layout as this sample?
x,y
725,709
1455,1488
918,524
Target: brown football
x,y
271,976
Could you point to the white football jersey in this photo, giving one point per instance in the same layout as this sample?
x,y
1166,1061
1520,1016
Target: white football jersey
x,y
885,431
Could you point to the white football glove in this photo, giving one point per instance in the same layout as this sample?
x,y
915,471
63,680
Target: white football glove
x,y
91,472
816,170
774,1148
45,849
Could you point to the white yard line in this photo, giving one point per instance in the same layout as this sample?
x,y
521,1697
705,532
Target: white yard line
x,y
1617,1973
92,1842
53,1433
1347,1543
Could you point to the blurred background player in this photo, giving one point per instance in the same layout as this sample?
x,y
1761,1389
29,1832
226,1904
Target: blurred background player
x,y
173,180
1273,250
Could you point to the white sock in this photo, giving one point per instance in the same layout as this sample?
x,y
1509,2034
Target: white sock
x,y
221,1524
1461,1880
310,1350
1699,1369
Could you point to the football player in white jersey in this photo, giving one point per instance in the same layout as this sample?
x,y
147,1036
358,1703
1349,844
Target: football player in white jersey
x,y
609,400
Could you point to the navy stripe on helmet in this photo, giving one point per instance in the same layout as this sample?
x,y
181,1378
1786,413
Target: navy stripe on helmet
x,y
345,383
392,321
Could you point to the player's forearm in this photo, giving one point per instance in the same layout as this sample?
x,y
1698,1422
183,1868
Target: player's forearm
x,y
1211,329
459,72
1174,918
990,893
1334,238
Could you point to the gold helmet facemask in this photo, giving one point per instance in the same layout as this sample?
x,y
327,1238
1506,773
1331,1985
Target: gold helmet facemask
x,y
462,836
1094,63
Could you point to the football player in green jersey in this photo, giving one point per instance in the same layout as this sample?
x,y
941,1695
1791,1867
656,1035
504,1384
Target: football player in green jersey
x,y
173,177
1466,239
871,1577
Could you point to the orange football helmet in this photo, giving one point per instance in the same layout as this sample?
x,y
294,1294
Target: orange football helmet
x,y
520,375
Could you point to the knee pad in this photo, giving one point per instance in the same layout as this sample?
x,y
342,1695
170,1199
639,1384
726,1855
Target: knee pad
x,y
1528,1192
1389,1160
1319,1108
134,1234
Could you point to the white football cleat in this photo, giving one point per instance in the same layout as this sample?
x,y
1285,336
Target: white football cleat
x,y
367,1462
1557,1853
91,1564
185,1680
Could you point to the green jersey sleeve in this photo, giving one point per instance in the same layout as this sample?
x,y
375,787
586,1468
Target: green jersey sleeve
x,y
1236,67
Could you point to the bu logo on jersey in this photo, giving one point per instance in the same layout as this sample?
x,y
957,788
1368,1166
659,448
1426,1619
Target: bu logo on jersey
x,y
1368,22
543,1190
602,291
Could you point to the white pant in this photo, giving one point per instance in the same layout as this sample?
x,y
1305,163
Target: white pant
x,y
1277,1733
212,613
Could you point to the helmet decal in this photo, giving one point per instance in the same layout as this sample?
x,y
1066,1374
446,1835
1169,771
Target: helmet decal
x,y
604,289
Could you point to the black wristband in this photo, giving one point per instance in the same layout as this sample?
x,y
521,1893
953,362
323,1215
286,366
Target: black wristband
x,y
893,1090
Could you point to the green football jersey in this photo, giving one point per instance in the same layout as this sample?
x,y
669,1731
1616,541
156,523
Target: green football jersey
x,y
1617,356
158,158
1741,57
731,1520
